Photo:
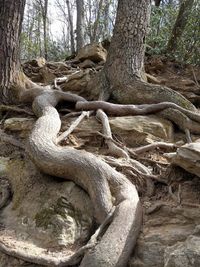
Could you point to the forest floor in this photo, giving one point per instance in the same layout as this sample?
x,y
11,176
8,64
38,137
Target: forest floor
x,y
16,123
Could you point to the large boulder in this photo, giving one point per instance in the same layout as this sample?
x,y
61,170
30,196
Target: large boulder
x,y
133,130
188,157
44,214
168,238
184,254
94,52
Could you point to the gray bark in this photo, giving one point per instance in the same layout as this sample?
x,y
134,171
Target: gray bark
x,y
179,26
126,55
11,16
80,24
71,27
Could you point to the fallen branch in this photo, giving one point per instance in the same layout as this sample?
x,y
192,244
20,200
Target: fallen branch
x,y
146,148
64,135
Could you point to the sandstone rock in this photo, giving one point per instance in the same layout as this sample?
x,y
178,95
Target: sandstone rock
x,y
133,130
3,165
38,62
186,254
44,212
164,239
22,126
142,129
94,52
87,64
188,157
79,84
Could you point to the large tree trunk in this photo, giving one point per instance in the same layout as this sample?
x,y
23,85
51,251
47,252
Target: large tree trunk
x,y
179,26
80,24
127,46
11,14
122,77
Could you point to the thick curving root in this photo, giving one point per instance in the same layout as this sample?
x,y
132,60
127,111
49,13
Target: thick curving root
x,y
105,186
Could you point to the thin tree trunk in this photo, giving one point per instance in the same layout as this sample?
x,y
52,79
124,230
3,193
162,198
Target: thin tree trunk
x,y
80,24
106,19
96,23
11,14
44,9
71,27
179,26
45,29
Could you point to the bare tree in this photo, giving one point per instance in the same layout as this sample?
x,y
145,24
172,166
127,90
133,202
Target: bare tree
x,y
44,9
70,16
95,36
80,24
179,26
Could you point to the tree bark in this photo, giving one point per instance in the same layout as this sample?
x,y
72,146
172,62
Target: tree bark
x,y
80,24
44,10
71,27
96,23
11,14
127,46
179,26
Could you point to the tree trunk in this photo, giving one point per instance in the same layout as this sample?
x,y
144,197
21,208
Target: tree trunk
x,y
126,55
96,23
179,26
106,20
80,24
11,14
71,27
44,9
45,29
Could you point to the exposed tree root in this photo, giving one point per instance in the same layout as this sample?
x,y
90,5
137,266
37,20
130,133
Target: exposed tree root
x,y
185,119
113,149
95,176
10,140
105,186
15,109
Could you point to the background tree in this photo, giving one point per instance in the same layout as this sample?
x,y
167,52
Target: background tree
x,y
70,16
11,14
44,10
180,24
80,24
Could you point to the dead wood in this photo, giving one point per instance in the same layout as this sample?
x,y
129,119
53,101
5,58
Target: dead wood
x,y
149,147
64,135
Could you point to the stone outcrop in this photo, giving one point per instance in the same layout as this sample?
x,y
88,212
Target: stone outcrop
x,y
188,157
94,52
